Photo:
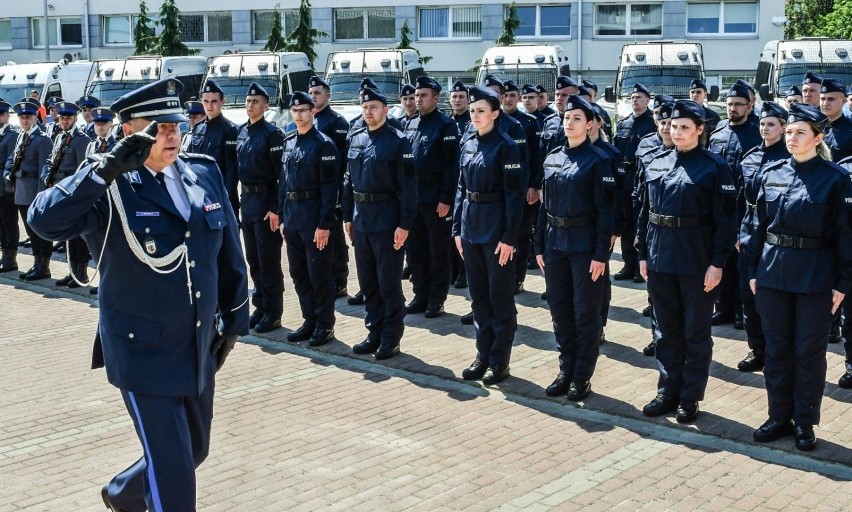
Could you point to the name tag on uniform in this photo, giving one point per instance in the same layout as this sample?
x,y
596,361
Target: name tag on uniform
x,y
147,214
211,207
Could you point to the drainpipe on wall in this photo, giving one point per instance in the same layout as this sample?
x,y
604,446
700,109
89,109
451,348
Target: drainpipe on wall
x,y
580,39
86,29
46,37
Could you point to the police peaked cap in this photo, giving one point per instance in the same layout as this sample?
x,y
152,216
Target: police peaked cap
x,y
424,82
529,89
211,86
688,109
662,99
158,101
600,113
590,85
582,90
368,83
4,106
25,108
406,90
738,91
459,86
370,94
641,88
301,98
193,107
37,103
510,85
577,102
66,108
811,78
665,111
102,114
806,112
51,102
315,81
832,85
481,92
255,89
697,84
88,101
794,91
772,109
563,81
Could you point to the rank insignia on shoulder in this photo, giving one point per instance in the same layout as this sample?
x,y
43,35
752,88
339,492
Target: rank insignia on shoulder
x,y
211,207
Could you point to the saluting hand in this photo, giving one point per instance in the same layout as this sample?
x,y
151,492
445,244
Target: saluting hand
x,y
399,237
506,253
712,278
129,154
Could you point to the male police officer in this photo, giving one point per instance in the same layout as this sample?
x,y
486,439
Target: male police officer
x,y
838,134
407,102
379,205
9,230
51,128
259,149
21,176
104,141
171,261
698,94
459,102
811,84
86,104
793,95
544,102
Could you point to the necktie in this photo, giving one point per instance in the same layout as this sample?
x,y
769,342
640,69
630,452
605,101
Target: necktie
x,y
162,179
103,147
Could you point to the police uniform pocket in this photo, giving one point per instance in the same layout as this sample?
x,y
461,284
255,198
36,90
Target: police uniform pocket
x,y
215,219
132,329
353,160
148,223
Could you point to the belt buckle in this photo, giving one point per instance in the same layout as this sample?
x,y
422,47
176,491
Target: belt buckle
x,y
785,241
474,196
359,196
292,196
667,221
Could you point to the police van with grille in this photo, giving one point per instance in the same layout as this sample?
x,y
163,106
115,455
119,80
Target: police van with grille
x,y
112,78
784,63
524,64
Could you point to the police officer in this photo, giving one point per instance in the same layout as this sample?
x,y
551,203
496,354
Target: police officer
x,y
260,146
686,231
21,178
543,102
698,94
160,341
486,225
51,128
838,134
69,151
104,141
772,120
194,112
406,101
529,98
552,134
307,195
793,95
573,239
628,132
86,104
330,123
358,123
811,85
435,146
216,136
9,230
803,213
459,102
379,205
845,380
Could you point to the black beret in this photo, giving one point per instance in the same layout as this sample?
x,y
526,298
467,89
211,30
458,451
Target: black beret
x,y
590,85
794,91
102,114
193,107
577,102
540,88
529,89
368,83
772,109
255,89
406,90
665,111
510,85
745,84
688,109
492,81
211,86
315,81
301,98
370,94
806,112
481,92
662,99
459,86
641,88
563,81
811,78
157,101
697,84
832,85
583,91
738,91
424,82
66,108
600,113
88,101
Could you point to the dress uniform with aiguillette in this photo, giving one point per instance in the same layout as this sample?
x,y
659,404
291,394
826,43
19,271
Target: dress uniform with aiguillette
x,y
171,264
9,230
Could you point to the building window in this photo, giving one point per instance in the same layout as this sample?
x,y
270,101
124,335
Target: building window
x,y
629,20
6,34
119,29
262,24
446,22
721,18
206,28
361,24
60,32
543,20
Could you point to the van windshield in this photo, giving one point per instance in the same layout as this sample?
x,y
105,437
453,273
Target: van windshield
x,y
673,81
13,93
108,92
236,88
521,75
345,86
792,74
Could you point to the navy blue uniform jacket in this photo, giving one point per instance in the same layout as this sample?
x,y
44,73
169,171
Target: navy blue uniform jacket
x,y
8,137
217,137
309,165
260,147
838,137
435,145
72,156
748,176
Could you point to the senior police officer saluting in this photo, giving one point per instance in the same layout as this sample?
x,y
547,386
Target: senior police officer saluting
x,y
804,222
379,205
260,146
168,248
9,230
21,175
307,194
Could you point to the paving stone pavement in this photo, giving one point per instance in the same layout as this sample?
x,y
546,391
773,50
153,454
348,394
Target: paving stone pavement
x,y
298,428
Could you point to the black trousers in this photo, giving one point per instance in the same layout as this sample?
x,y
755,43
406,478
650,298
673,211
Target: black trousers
x,y
340,251
751,318
310,269
491,287
796,328
628,232
380,274
575,307
78,252
263,254
10,233
522,251
41,247
683,313
429,247
729,288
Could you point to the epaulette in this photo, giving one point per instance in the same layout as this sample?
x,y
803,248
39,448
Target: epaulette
x,y
603,155
197,157
555,114
648,135
836,167
750,151
291,136
362,129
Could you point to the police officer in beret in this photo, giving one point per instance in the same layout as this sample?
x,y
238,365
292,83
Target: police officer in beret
x,y
459,102
379,206
687,229
486,226
838,133
9,230
333,125
698,94
628,132
173,291
22,180
194,112
216,136
435,146
529,99
86,104
811,85
772,149
407,102
307,195
544,102
793,95
260,146
358,122
803,211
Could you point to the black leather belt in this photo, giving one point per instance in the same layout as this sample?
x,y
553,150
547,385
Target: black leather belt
x,y
484,197
363,197
256,189
798,242
670,221
301,196
569,222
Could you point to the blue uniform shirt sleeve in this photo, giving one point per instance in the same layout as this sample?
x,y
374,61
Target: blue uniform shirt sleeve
x,y
405,179
604,209
449,176
328,172
515,179
843,250
724,217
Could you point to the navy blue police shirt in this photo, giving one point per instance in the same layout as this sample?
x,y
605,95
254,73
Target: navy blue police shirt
x,y
260,146
334,126
532,129
435,145
644,155
511,127
616,169
628,132
217,138
838,137
462,121
748,176
733,142
552,136
307,191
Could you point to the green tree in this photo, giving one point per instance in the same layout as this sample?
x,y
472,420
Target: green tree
x,y
510,23
805,17
144,39
276,42
169,43
304,37
838,23
405,41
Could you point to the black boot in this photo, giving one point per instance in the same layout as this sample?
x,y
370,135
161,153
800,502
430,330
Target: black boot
x,y
41,269
81,273
65,281
752,362
9,261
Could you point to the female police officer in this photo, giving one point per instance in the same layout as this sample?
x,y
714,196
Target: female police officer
x,y
800,269
573,237
486,223
687,229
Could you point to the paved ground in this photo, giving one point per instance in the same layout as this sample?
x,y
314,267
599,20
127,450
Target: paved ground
x,y
304,429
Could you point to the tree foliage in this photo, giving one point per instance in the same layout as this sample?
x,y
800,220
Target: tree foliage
x,y
304,37
144,38
510,23
276,42
405,41
838,22
805,18
169,43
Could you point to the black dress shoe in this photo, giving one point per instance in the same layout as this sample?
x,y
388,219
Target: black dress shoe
x,y
687,411
519,287
660,405
467,319
651,349
65,281
773,430
267,324
23,275
739,323
805,437
367,346
356,300
461,281
845,381
495,374
107,503
543,295
559,386
475,371
255,318
720,318
646,312
752,362
417,305
387,351
303,333
434,310
341,292
638,278
624,274
579,391
93,290
321,337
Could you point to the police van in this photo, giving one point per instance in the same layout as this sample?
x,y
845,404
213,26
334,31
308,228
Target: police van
x,y
664,67
389,68
524,64
279,73
784,63
64,79
112,78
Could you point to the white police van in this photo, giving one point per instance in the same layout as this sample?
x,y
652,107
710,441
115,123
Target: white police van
x,y
64,79
784,63
525,64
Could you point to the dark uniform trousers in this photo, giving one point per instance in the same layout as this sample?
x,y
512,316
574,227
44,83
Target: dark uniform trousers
x,y
379,268
491,288
40,246
340,251
576,311
682,309
796,328
263,254
751,317
522,251
9,230
429,247
310,269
